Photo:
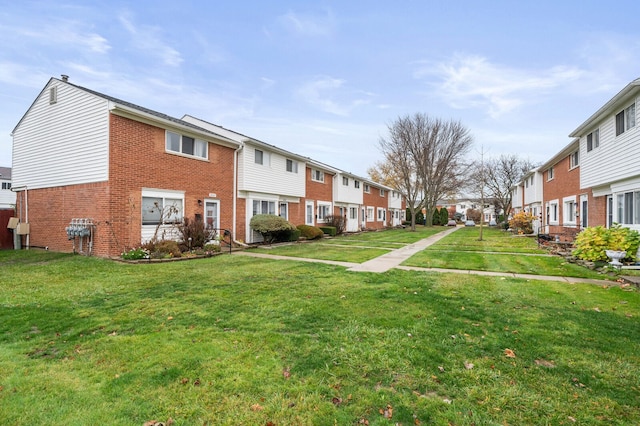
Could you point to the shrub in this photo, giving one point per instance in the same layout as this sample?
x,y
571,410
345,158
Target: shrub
x,y
163,248
329,230
435,219
211,248
522,222
592,243
310,232
444,216
270,226
194,229
337,222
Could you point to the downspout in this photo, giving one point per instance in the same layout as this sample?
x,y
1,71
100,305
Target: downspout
x,y
26,207
235,191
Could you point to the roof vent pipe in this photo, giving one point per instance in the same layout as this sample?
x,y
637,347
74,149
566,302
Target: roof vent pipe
x,y
64,77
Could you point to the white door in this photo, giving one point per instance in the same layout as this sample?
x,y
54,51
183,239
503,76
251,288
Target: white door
x,y
309,213
211,215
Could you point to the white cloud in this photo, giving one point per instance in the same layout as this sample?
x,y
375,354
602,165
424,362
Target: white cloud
x,y
309,25
148,39
474,82
327,93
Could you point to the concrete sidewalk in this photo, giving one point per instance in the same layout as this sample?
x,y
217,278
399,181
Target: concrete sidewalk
x,y
396,257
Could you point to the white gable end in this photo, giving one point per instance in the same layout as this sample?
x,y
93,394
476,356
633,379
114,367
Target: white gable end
x,y
62,140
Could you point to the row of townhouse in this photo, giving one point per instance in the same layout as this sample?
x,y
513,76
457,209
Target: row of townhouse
x,y
7,197
595,179
129,172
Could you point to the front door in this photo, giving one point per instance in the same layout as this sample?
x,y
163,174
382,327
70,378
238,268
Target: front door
x,y
211,215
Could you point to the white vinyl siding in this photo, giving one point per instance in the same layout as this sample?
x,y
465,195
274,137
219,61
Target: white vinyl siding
x,y
617,157
347,193
257,178
65,143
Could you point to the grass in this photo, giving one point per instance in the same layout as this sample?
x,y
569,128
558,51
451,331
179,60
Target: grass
x,y
239,340
497,252
355,248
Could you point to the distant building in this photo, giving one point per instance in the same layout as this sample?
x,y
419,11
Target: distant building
x,y
7,197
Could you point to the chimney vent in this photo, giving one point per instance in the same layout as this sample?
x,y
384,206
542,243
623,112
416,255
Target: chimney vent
x,y
65,77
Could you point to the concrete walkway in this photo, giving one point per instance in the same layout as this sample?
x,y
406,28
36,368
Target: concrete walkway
x,y
396,257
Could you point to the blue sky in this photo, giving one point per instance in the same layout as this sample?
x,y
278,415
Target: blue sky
x,y
325,78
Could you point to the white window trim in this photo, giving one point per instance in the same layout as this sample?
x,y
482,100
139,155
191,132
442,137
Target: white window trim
x,y
573,164
370,214
566,219
320,206
367,188
550,173
320,173
294,165
553,221
381,214
196,141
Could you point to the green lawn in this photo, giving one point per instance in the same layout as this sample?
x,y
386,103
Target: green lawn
x,y
498,251
239,340
356,248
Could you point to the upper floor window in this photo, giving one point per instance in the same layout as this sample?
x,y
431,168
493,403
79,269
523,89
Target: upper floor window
x,y
366,188
593,140
345,181
626,119
186,145
381,192
292,166
550,173
6,185
575,159
317,175
356,184
259,157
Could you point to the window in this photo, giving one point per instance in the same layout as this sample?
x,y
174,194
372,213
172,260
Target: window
x,y
370,214
159,210
283,210
186,145
345,181
550,173
6,185
381,192
323,211
593,140
356,184
259,157
552,214
626,119
569,211
366,188
292,166
575,159
317,175
264,207
628,208
382,214
353,212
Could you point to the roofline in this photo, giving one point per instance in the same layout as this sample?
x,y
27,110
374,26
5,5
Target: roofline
x,y
571,147
126,111
607,108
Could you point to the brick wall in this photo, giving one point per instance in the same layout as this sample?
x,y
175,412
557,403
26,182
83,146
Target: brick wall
x,y
373,199
316,191
50,211
138,160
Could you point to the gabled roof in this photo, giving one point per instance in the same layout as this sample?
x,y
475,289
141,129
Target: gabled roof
x,y
575,144
119,104
608,108
5,173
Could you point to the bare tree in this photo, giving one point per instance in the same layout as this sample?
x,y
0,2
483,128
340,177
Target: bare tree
x,y
399,168
439,152
498,176
425,155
